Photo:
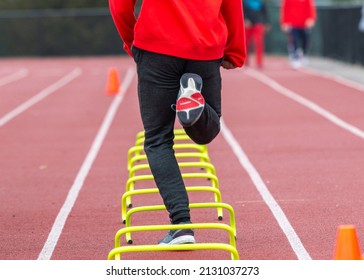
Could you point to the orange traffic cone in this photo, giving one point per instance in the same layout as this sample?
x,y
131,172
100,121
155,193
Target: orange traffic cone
x,y
113,84
347,244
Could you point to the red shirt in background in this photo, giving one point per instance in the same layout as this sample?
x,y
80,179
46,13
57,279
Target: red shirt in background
x,y
295,12
191,29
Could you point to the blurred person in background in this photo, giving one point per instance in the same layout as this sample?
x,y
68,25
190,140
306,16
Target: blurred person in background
x,y
256,25
298,17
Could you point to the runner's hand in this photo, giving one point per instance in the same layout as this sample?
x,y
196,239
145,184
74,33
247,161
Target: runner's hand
x,y
227,65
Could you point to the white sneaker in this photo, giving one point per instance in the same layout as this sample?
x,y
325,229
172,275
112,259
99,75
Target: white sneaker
x,y
296,63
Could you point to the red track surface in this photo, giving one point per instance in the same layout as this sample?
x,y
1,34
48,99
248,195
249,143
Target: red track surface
x,y
311,167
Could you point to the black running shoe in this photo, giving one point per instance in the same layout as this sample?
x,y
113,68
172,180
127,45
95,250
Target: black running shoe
x,y
179,236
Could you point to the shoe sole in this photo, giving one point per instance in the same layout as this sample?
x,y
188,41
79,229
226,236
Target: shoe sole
x,y
189,109
185,116
185,239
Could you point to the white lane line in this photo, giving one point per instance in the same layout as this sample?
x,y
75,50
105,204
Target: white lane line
x,y
22,73
64,212
268,198
334,77
40,96
305,102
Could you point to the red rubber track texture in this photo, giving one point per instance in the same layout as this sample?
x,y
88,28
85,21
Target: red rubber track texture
x,y
311,167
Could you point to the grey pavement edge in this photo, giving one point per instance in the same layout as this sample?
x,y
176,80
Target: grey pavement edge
x,y
351,72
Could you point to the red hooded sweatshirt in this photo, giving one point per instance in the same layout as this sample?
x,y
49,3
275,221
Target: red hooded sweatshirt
x,y
191,29
296,12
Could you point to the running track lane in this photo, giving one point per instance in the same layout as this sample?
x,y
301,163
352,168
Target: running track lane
x,y
310,164
43,149
295,151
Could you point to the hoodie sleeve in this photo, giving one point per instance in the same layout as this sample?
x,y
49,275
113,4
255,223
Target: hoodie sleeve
x,y
122,12
283,19
235,49
312,9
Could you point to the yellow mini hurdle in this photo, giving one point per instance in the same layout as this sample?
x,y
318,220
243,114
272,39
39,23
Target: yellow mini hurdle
x,y
192,206
130,184
126,196
181,155
136,153
115,254
210,168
